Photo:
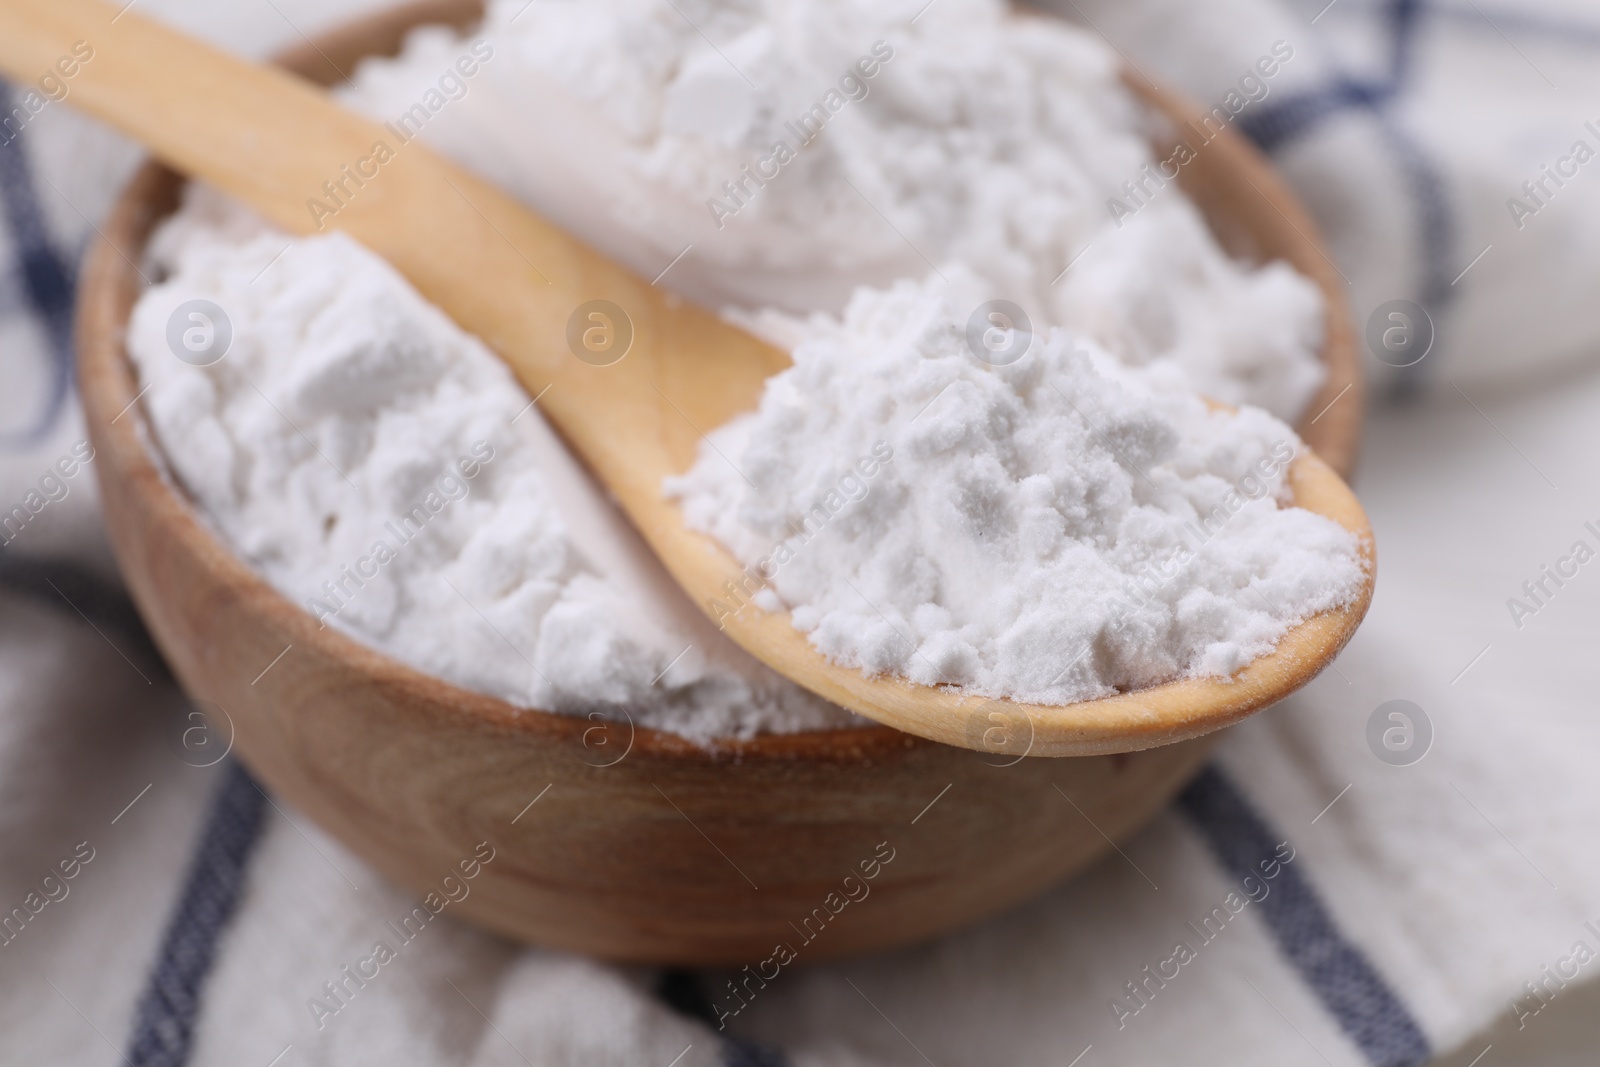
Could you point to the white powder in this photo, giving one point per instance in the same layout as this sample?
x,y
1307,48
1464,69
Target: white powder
x,y
1053,530
997,534
342,408
987,138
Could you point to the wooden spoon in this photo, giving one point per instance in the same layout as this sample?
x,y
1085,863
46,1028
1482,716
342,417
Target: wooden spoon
x,y
653,377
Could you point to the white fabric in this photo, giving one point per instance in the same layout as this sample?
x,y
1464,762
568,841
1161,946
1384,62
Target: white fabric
x,y
1460,877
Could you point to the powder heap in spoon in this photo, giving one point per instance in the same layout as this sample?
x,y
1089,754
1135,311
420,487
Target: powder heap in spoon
x,y
1054,529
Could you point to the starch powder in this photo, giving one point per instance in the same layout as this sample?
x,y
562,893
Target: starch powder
x,y
1016,530
383,469
1055,529
892,148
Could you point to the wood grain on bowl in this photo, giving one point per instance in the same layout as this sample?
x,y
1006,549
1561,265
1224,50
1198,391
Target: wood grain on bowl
x,y
672,854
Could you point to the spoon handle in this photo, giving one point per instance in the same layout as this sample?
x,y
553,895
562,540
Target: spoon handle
x,y
309,165
184,101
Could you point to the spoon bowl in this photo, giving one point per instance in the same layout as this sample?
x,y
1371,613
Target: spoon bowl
x,y
638,845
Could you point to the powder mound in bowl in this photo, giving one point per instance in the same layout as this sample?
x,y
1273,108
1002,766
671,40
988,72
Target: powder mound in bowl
x,y
1053,530
382,469
780,153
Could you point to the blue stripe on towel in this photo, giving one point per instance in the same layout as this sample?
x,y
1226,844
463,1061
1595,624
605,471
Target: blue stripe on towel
x,y
1350,988
1282,121
12,299
1439,253
1404,23
1557,31
1299,114
682,992
78,593
164,1020
47,279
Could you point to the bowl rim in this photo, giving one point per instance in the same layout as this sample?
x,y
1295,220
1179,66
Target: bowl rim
x,y
109,389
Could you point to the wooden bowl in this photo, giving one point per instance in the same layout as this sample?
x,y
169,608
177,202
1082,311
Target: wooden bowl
x,y
671,853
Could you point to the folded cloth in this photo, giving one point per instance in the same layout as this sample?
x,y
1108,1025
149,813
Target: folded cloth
x,y
1354,881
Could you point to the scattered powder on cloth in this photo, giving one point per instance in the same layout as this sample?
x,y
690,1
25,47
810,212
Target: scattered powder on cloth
x,y
1053,530
383,469
791,150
